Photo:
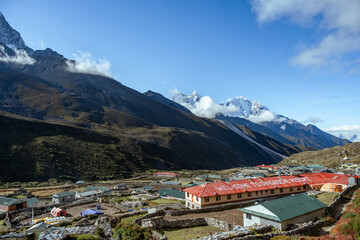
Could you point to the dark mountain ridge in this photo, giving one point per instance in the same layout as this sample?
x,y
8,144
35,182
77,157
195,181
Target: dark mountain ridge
x,y
125,130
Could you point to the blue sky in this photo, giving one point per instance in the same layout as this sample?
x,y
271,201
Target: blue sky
x,y
295,57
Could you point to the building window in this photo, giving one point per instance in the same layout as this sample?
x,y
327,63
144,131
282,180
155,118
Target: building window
x,y
207,199
229,196
197,199
239,195
272,191
281,190
249,194
261,192
298,188
248,216
304,187
187,194
188,204
290,190
266,192
218,198
192,206
256,193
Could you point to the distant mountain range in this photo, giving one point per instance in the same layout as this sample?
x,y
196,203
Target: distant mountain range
x,y
61,122
253,115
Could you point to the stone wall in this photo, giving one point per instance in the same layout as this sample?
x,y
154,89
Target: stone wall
x,y
221,207
333,209
160,223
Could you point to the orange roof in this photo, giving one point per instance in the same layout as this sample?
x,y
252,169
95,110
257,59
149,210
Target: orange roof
x,y
255,184
266,166
322,178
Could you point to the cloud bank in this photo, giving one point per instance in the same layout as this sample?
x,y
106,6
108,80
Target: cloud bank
x,y
340,20
351,132
20,57
205,106
86,63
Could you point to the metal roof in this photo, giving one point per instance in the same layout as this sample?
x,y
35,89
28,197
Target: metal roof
x,y
94,188
250,185
289,207
171,192
64,194
10,201
322,178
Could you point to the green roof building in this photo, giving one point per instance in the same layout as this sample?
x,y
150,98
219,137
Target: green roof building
x,y
11,204
298,208
171,193
67,196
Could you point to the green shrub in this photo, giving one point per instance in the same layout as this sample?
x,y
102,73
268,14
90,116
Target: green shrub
x,y
132,231
99,232
356,225
63,224
349,215
86,237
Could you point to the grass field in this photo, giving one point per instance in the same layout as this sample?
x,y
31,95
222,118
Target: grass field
x,y
163,201
131,219
190,233
327,197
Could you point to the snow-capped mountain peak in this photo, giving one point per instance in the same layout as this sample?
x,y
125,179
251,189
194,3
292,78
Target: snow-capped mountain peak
x,y
10,37
239,106
245,106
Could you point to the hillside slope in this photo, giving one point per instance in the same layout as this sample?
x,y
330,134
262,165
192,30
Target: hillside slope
x,y
331,157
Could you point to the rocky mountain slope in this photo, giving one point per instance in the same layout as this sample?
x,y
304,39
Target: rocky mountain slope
x,y
331,157
65,124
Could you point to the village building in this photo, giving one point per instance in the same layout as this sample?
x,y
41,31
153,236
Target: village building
x,y
171,193
165,174
88,194
319,179
68,196
58,212
11,204
209,177
216,193
282,212
32,202
266,167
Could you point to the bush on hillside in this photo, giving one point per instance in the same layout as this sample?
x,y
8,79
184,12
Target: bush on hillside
x,y
132,231
356,225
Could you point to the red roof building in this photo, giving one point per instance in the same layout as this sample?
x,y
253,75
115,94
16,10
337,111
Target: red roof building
x,y
215,193
269,167
224,192
165,174
319,179
58,212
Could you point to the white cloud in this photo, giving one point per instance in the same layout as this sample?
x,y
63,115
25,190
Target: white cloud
x,y
313,120
351,132
206,107
20,56
340,20
264,116
86,63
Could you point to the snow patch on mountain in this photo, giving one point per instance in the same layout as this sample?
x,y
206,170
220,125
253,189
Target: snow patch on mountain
x,y
205,106
350,132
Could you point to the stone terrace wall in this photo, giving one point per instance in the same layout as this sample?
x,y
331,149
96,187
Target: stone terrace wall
x,y
221,207
333,208
160,223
